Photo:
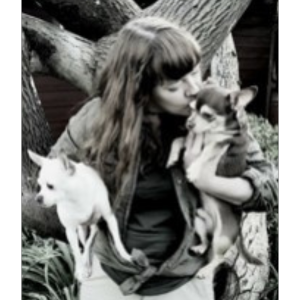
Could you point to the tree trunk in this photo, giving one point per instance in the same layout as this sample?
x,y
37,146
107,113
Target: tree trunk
x,y
252,278
35,136
60,53
210,21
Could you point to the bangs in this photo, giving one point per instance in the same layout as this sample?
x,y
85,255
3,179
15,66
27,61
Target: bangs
x,y
176,56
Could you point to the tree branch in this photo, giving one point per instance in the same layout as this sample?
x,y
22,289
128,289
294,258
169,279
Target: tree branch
x,y
209,20
62,54
91,19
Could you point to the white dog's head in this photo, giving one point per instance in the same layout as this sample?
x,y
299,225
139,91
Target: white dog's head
x,y
53,179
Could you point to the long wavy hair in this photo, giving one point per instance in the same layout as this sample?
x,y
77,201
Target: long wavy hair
x,y
148,51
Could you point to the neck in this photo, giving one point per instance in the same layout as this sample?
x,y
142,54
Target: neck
x,y
153,108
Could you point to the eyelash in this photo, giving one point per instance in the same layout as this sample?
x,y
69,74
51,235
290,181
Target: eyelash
x,y
207,116
172,89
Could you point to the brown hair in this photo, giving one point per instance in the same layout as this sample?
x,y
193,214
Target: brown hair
x,y
147,51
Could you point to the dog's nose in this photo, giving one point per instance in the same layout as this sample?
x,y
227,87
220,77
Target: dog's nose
x,y
39,199
189,125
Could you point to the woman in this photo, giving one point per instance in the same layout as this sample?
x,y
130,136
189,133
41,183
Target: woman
x,y
150,77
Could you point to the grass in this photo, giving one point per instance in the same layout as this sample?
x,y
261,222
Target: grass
x,y
47,269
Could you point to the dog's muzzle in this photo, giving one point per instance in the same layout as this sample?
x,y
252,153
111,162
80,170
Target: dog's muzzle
x,y
189,125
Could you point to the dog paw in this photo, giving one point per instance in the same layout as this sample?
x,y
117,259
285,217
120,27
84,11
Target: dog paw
x,y
171,161
205,273
199,249
83,273
192,173
86,272
79,274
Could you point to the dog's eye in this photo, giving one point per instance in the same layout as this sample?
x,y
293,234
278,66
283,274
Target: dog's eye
x,y
50,186
207,116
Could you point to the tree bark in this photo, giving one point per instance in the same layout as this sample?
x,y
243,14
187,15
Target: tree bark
x,y
210,21
35,136
60,53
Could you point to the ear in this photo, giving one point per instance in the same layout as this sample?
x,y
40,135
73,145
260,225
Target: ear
x,y
36,158
67,163
241,99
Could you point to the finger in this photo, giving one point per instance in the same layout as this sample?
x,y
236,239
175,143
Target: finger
x,y
190,140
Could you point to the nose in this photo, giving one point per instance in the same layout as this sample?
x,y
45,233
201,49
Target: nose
x,y
39,199
189,124
193,87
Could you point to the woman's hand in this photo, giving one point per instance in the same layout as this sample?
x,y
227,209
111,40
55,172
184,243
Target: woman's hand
x,y
202,166
202,173
193,148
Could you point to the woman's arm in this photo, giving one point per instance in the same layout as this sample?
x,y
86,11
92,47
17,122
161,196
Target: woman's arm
x,y
255,190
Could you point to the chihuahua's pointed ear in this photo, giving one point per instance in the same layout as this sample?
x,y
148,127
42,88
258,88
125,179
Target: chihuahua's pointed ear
x,y
67,163
36,158
242,98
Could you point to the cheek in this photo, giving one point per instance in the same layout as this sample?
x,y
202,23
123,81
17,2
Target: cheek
x,y
171,102
162,95
200,124
220,124
50,196
214,126
164,100
174,102
170,97
180,100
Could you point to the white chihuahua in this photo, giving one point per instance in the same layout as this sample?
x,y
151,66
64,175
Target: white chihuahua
x,y
81,199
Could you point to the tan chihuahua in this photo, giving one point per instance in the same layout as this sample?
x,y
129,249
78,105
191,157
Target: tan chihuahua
x,y
217,119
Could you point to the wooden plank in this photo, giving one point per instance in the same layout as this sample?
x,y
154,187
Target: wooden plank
x,y
261,31
50,84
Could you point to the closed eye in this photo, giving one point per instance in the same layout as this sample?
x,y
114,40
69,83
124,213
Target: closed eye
x,y
172,89
50,186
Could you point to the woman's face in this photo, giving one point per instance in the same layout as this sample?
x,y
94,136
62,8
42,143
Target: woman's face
x,y
174,96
